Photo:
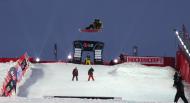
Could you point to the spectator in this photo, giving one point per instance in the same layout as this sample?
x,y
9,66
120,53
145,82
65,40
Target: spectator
x,y
180,91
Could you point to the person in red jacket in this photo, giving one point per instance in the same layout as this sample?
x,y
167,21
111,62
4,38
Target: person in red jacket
x,y
75,74
90,74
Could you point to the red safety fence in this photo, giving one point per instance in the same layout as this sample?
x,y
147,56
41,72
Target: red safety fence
x,y
145,60
151,60
4,60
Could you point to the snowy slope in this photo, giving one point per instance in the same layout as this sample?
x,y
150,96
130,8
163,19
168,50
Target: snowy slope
x,y
133,82
130,81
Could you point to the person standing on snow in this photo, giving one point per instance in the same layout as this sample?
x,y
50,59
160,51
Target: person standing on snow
x,y
180,91
75,74
90,74
87,60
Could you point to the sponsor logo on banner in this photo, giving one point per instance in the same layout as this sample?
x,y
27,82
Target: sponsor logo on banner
x,y
146,60
14,76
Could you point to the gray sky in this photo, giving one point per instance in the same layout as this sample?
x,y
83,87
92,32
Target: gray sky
x,y
35,25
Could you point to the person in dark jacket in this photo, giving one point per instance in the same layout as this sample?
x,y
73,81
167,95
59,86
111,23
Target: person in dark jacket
x,y
180,91
75,74
90,74
176,78
97,24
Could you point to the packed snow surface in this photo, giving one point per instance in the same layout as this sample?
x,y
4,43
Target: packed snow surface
x,y
133,82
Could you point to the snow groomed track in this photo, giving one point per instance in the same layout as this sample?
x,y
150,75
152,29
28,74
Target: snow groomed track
x,y
134,83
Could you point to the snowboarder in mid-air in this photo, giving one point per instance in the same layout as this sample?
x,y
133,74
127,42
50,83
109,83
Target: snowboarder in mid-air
x,y
96,26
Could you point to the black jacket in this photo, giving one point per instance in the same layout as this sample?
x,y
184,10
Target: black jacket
x,y
90,71
75,72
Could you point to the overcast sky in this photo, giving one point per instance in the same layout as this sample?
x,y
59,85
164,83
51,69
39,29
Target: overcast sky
x,y
36,25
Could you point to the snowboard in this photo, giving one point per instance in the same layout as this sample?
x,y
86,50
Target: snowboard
x,y
90,30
